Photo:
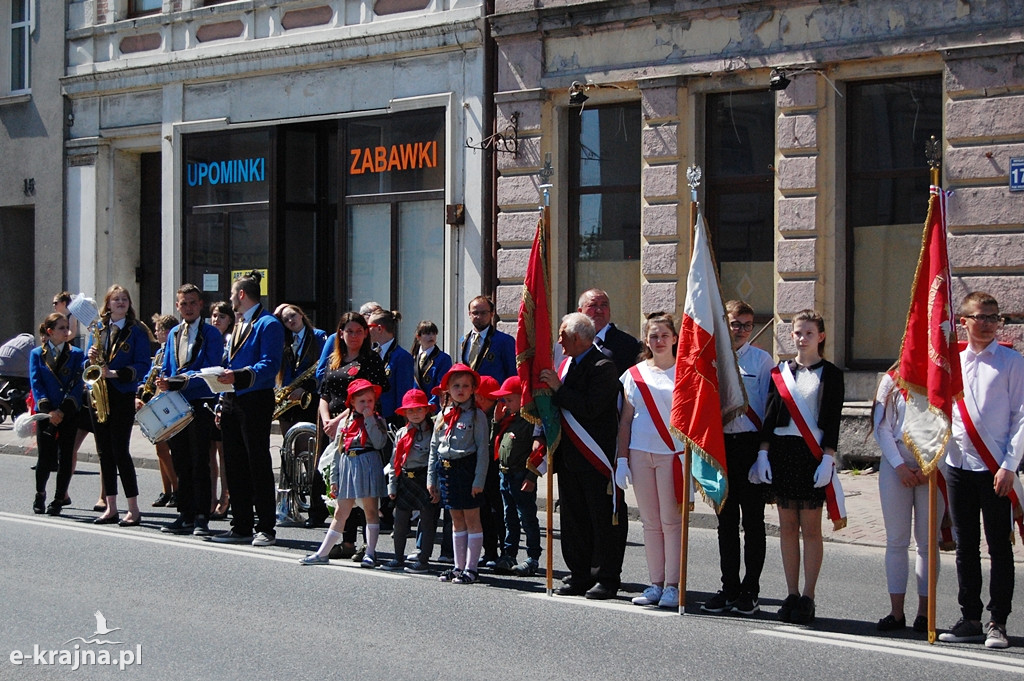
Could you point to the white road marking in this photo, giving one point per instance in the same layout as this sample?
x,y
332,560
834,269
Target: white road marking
x,y
922,651
263,553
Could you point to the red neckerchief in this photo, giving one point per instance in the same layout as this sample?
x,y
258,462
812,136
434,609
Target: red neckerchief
x,y
403,446
451,417
356,430
502,427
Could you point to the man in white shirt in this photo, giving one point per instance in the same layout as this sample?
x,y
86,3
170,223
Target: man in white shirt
x,y
983,455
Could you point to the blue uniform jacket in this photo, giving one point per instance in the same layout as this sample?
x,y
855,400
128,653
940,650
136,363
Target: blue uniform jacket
x,y
207,351
309,354
255,357
429,375
497,357
398,363
128,356
56,381
325,356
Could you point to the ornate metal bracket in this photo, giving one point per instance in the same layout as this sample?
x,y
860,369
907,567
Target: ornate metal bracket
x,y
694,175
933,152
505,141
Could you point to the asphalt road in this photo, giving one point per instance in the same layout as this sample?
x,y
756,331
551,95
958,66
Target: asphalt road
x,y
182,608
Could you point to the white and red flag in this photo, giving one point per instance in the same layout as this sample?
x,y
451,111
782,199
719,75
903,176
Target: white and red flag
x,y
708,390
929,366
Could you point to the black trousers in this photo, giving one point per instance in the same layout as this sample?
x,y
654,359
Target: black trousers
x,y
56,445
190,453
492,512
747,500
245,427
588,534
113,439
971,495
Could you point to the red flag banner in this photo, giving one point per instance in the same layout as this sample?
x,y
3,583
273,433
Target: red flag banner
x,y
533,341
708,389
929,364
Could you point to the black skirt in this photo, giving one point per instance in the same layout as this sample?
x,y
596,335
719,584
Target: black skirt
x,y
456,482
412,494
793,468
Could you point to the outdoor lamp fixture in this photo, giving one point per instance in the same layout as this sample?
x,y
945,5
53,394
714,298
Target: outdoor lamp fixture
x,y
778,80
576,94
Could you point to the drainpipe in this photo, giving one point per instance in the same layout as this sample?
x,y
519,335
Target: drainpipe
x,y
489,205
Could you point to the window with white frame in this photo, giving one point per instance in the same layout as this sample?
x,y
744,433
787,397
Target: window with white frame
x,y
19,54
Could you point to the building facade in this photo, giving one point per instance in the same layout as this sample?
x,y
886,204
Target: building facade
x,y
31,178
809,121
322,142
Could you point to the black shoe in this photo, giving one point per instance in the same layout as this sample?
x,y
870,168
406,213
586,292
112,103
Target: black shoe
x,y
921,624
787,608
571,589
746,604
718,603
179,526
890,623
54,508
314,522
803,613
172,500
342,551
504,565
130,523
109,520
201,527
66,501
161,500
600,592
39,505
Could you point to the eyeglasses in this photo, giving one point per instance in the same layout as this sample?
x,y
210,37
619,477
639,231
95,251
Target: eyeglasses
x,y
990,318
373,326
740,326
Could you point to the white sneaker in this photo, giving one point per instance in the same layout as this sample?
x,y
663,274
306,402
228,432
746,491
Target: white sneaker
x,y
263,539
995,636
650,596
669,598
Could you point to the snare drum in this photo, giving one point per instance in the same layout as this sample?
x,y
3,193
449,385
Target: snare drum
x,y
164,416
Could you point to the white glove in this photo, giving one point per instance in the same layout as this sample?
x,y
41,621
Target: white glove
x,y
761,472
622,476
823,474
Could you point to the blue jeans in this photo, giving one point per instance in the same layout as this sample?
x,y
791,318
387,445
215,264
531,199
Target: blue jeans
x,y
520,512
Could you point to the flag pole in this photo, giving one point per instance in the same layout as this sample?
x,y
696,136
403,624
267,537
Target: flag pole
x,y
933,152
693,177
545,174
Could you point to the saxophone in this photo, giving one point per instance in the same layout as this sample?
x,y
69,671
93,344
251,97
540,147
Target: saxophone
x,y
149,387
281,401
93,377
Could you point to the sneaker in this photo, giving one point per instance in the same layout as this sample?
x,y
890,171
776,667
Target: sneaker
x,y
964,631
264,539
465,577
787,608
505,565
413,557
995,636
528,568
417,568
449,575
201,527
232,537
745,605
669,598
394,565
358,556
650,596
314,559
446,560
179,526
488,562
803,613
718,603
368,562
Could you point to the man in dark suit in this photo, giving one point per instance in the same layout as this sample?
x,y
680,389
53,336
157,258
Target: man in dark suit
x,y
488,351
615,344
592,510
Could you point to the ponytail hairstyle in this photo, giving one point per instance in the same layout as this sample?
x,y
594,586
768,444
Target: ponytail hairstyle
x,y
652,319
49,323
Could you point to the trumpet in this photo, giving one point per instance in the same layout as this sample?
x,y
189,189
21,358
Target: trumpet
x,y
281,401
93,377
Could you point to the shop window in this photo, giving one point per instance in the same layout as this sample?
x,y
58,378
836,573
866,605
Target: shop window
x,y
888,124
739,198
604,208
19,55
138,8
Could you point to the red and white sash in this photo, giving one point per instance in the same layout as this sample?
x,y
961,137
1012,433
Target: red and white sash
x,y
659,425
983,442
785,383
754,418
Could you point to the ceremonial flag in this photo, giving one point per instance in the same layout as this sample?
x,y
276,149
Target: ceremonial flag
x,y
929,364
533,344
708,390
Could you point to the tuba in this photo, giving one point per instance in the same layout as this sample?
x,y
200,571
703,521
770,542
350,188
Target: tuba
x,y
298,466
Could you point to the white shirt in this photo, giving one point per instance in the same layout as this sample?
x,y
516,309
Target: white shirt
x,y
888,412
996,378
382,349
808,387
756,371
643,433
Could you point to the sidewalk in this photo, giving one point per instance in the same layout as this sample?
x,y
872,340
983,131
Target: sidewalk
x,y
864,528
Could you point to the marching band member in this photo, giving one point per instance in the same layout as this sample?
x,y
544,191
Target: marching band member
x,y
222,317
55,377
431,362
484,349
162,325
124,353
303,345
193,345
254,358
397,362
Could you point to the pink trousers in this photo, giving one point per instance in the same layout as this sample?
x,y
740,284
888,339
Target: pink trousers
x,y
660,514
